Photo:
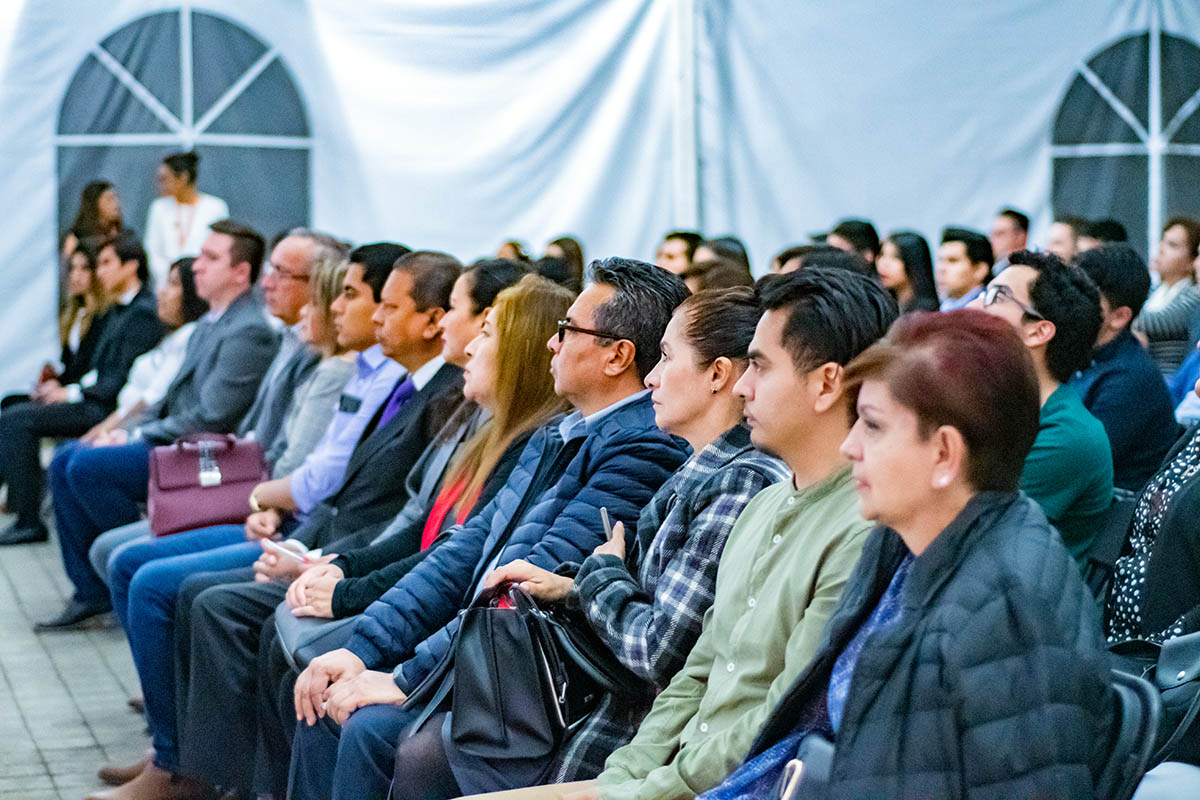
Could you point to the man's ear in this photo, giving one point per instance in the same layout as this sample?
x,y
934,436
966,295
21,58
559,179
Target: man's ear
x,y
622,356
825,383
430,331
243,271
982,273
1038,333
1119,318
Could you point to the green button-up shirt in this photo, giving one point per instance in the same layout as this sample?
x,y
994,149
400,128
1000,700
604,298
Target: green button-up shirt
x,y
781,575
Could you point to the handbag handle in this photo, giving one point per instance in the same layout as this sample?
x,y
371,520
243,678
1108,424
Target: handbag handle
x,y
228,440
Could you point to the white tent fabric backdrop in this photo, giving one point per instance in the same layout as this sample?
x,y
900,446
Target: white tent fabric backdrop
x,y
456,124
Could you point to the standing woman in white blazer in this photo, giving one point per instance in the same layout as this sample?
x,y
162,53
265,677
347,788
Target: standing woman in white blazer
x,y
179,218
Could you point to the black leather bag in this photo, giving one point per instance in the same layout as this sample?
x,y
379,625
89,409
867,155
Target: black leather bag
x,y
520,678
1174,669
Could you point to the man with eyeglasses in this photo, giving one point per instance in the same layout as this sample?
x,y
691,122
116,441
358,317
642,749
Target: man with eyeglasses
x,y
607,453
1056,310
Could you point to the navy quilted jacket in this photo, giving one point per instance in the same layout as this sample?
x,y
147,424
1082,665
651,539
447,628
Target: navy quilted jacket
x,y
621,461
992,684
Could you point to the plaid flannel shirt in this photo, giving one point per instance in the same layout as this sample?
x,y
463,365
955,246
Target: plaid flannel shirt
x,y
652,621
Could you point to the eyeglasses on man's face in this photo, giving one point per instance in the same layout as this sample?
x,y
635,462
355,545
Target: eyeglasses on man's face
x,y
565,325
996,292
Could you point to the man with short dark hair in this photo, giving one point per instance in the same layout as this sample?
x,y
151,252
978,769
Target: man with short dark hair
x,y
607,453
790,552
855,236
1063,240
964,263
1056,310
100,487
1010,232
1122,386
676,250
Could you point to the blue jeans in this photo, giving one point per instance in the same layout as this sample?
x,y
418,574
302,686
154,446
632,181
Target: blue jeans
x,y
354,760
95,489
145,578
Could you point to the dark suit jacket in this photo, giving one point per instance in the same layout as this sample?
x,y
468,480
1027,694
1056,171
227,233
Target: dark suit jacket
x,y
128,331
77,363
219,377
373,489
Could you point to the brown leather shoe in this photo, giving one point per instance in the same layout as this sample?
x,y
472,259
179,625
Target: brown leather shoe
x,y
154,784
116,775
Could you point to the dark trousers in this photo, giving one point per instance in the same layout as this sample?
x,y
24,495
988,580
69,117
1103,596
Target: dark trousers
x,y
218,728
22,426
191,588
276,714
354,760
95,490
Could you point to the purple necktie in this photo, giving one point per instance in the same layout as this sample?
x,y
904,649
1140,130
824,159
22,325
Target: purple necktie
x,y
403,391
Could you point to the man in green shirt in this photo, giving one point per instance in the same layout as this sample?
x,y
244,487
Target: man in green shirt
x,y
1056,310
789,553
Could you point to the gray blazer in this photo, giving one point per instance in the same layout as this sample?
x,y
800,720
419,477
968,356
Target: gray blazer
x,y
219,377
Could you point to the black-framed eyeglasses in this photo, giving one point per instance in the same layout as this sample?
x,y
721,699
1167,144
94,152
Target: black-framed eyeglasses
x,y
996,292
565,325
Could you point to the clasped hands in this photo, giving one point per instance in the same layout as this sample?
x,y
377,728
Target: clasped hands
x,y
338,683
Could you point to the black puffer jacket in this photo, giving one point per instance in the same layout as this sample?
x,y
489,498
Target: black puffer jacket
x,y
992,684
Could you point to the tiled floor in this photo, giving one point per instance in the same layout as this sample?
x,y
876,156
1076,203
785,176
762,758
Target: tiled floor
x,y
63,696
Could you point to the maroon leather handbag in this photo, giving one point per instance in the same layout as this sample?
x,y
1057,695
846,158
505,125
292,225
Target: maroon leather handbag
x,y
202,480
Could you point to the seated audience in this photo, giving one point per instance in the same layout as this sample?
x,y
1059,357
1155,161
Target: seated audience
x,y
646,597
1122,387
606,453
1172,311
99,486
964,263
285,289
676,251
1064,236
68,405
790,552
1056,311
505,372
965,658
145,578
855,236
569,250
1100,232
906,270
179,308
1010,233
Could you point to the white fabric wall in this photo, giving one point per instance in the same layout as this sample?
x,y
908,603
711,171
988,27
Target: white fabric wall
x,y
455,124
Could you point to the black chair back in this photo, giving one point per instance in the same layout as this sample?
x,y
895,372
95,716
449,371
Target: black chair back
x,y
1108,543
1136,721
